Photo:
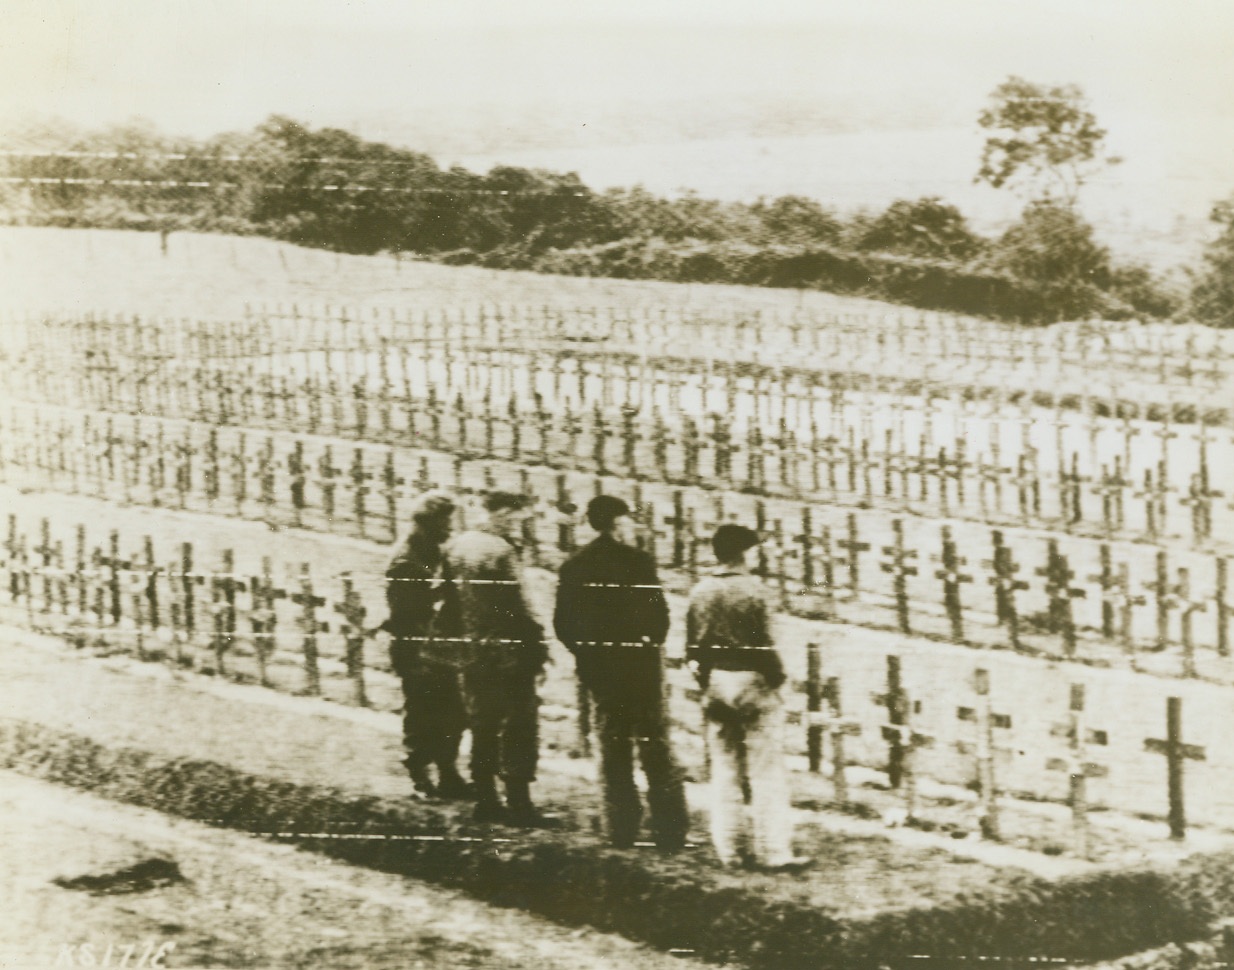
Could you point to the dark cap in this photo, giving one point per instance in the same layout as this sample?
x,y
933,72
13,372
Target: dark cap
x,y
731,540
604,510
432,504
501,501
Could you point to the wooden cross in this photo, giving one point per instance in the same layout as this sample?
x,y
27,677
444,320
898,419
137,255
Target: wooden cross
x,y
310,627
1177,753
1110,488
1155,494
114,566
984,749
835,727
1161,590
352,610
267,471
1058,576
900,568
326,473
184,466
1180,596
1106,581
1199,499
263,617
1078,766
298,472
45,551
1071,492
722,443
952,578
853,548
360,477
1028,486
239,472
902,739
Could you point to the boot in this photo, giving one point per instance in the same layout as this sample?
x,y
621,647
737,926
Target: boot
x,y
521,813
421,781
451,785
488,802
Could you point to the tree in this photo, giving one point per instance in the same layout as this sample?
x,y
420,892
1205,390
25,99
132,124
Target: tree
x,y
925,227
797,220
1052,250
1212,290
1043,141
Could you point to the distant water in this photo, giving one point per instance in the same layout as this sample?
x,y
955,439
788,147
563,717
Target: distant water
x,y
1154,206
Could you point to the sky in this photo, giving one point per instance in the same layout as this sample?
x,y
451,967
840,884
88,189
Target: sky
x,y
197,68
619,88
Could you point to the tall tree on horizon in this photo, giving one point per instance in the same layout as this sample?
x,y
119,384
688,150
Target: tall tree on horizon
x,y
1043,141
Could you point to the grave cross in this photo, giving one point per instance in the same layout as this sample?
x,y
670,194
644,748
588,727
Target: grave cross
x,y
267,476
352,610
984,749
1177,754
1106,581
1199,499
326,473
240,472
298,472
1071,492
1077,765
835,727
360,477
1028,486
391,483
263,617
952,578
1180,598
1161,590
1155,494
853,548
902,739
1058,576
1110,488
900,568
310,628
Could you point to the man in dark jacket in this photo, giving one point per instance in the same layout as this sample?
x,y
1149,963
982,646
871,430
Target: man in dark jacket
x,y
505,654
612,615
424,610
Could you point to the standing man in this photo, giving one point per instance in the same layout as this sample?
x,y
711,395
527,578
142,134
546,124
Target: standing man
x,y
729,646
611,614
506,655
424,612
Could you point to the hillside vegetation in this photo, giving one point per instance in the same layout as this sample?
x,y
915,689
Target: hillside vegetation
x,y
333,190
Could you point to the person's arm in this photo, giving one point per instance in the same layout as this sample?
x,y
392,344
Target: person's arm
x,y
656,605
513,604
696,654
566,611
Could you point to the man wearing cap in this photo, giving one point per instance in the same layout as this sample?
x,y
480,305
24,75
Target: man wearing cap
x,y
611,614
424,612
730,648
506,654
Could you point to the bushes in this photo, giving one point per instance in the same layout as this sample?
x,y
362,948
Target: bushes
x,y
331,189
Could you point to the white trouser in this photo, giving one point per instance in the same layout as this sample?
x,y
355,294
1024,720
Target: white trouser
x,y
750,755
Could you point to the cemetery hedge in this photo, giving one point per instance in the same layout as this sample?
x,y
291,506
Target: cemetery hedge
x,y
577,881
331,189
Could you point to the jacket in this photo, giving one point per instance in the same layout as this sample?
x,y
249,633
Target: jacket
x,y
728,627
494,613
612,615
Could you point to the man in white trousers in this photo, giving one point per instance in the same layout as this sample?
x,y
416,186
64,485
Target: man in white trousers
x,y
730,648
